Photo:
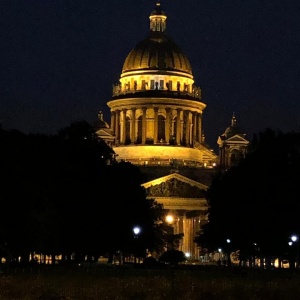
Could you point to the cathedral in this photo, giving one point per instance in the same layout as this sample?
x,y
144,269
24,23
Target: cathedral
x,y
156,112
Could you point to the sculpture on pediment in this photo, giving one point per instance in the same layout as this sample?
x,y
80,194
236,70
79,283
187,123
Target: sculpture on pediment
x,y
175,188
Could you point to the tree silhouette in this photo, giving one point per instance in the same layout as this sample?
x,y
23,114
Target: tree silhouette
x,y
255,203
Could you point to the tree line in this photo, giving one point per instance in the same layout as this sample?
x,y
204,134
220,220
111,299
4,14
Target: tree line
x,y
65,194
255,206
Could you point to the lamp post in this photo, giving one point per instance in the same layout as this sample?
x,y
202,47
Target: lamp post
x,y
136,233
170,232
228,241
220,255
295,239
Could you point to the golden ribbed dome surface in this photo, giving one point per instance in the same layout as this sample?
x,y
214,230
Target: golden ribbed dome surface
x,y
157,52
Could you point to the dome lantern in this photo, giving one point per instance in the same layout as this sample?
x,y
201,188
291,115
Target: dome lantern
x,y
158,19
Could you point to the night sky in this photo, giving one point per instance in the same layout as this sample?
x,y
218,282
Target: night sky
x,y
60,58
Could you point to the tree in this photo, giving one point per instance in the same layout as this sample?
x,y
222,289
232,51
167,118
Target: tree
x,y
124,206
174,257
65,194
255,204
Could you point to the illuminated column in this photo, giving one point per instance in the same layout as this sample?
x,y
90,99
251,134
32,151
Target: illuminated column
x,y
189,234
132,133
191,134
185,240
187,128
200,128
123,126
194,137
117,126
178,127
155,125
144,126
167,127
193,245
112,121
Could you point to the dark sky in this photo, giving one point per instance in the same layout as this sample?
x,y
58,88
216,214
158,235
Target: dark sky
x,y
60,58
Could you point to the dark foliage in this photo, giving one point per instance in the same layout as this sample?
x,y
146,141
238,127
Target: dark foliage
x,y
256,204
173,257
65,194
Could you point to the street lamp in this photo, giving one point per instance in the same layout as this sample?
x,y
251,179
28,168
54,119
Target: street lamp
x,y
136,232
295,239
169,219
220,254
228,241
169,234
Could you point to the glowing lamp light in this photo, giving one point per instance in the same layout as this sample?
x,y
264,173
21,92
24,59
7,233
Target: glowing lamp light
x,y
187,255
169,219
294,238
136,230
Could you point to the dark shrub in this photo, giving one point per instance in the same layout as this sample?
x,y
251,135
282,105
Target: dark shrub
x,y
173,257
150,262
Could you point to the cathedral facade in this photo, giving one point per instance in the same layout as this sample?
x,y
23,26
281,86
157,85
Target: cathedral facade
x,y
156,123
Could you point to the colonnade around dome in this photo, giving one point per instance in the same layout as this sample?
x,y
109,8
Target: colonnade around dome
x,y
157,125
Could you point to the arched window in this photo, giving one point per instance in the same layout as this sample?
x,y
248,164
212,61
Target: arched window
x,y
235,157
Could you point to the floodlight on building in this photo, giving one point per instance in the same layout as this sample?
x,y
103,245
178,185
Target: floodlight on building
x,y
169,219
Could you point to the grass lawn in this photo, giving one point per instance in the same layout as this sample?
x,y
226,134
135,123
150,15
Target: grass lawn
x,y
137,283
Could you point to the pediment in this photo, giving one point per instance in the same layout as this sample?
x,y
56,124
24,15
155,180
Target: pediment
x,y
104,132
237,139
175,185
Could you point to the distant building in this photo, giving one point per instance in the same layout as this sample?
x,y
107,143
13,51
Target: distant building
x,y
232,146
156,124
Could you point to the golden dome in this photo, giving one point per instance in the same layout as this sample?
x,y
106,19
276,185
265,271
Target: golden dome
x,y
157,52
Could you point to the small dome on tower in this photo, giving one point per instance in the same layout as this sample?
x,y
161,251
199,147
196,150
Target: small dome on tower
x,y
233,129
101,123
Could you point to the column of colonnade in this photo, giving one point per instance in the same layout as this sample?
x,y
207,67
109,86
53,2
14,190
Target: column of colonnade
x,y
188,125
155,125
194,128
144,125
189,226
132,127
